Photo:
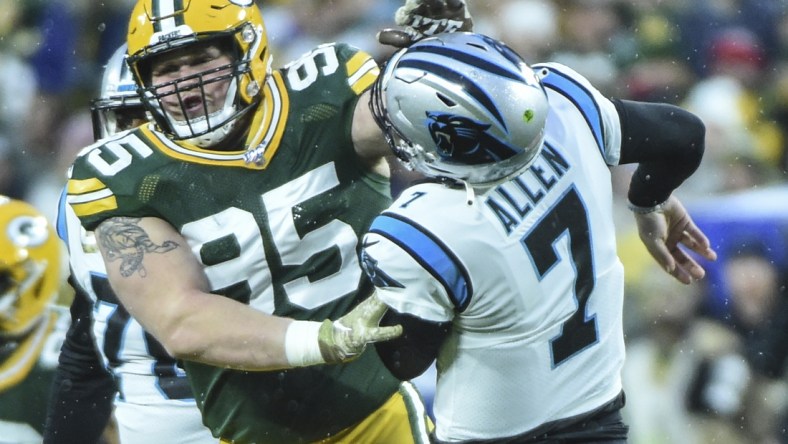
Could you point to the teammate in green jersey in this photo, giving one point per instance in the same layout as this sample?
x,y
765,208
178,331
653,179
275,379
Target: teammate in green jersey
x,y
31,325
245,198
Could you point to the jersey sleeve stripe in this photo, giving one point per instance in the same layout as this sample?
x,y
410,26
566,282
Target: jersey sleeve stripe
x,y
85,186
92,203
582,98
429,252
96,207
362,72
60,220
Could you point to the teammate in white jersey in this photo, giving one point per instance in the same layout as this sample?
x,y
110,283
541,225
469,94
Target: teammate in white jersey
x,y
503,264
152,398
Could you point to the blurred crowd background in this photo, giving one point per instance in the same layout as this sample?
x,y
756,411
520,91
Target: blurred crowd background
x,y
706,363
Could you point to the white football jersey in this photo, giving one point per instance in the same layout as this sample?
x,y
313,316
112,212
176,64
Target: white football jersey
x,y
527,273
154,402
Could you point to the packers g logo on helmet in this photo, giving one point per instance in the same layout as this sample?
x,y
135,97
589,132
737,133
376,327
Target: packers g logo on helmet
x,y
30,266
158,26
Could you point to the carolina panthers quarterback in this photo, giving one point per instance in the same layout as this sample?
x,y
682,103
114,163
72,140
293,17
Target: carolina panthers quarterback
x,y
502,265
152,397
32,326
238,209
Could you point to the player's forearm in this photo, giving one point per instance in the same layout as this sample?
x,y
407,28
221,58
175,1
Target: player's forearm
x,y
218,331
666,141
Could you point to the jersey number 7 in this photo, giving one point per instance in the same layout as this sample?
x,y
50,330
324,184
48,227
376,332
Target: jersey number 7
x,y
568,216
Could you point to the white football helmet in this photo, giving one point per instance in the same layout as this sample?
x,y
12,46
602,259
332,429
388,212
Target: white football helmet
x,y
118,106
461,106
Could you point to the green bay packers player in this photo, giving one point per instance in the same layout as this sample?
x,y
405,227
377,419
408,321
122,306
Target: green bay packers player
x,y
503,266
107,358
31,326
245,198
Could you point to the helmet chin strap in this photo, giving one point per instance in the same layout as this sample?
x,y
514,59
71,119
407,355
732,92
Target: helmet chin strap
x,y
214,137
470,195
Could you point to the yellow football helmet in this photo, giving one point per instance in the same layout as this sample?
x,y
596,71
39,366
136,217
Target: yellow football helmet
x,y
158,26
30,266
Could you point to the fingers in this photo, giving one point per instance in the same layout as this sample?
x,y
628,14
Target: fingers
x,y
695,240
453,5
687,269
379,334
397,38
439,6
659,251
374,310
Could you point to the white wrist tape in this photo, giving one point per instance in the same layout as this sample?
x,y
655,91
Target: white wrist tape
x,y
301,344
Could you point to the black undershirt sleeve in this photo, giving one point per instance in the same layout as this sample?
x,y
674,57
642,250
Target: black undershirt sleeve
x,y
411,354
666,141
83,390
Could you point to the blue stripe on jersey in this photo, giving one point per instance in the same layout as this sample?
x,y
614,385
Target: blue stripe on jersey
x,y
583,100
429,253
60,224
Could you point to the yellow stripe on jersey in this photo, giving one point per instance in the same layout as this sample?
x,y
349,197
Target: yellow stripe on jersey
x,y
85,186
95,207
90,196
362,72
270,120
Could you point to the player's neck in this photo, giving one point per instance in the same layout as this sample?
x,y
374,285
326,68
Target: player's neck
x,y
236,139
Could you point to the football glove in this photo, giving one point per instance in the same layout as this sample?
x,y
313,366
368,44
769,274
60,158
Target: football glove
x,y
425,18
344,339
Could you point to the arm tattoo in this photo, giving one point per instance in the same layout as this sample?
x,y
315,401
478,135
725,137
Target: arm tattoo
x,y
122,239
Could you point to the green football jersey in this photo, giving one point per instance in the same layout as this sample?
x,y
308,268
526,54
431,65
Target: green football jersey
x,y
281,234
26,374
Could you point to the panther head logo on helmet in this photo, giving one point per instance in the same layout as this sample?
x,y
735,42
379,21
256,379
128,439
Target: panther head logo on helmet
x,y
465,140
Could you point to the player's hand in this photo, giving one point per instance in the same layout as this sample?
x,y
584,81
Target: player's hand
x,y
425,18
346,338
664,232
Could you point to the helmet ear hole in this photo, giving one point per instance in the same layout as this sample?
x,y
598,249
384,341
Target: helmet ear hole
x,y
447,101
6,281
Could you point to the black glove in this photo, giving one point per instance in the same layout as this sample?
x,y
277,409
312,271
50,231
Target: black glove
x,y
425,18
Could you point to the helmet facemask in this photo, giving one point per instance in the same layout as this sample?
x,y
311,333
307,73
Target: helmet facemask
x,y
118,106
196,122
115,114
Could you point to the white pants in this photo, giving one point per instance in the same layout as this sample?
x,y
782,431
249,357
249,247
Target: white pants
x,y
172,423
